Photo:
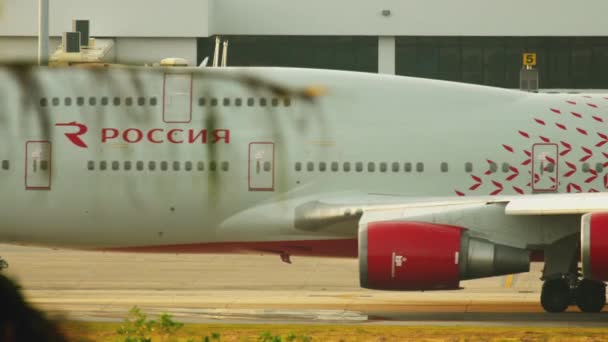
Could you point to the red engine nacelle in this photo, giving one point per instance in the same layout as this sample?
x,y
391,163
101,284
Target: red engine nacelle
x,y
594,246
400,255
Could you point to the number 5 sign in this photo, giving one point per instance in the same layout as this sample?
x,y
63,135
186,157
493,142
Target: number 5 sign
x,y
529,59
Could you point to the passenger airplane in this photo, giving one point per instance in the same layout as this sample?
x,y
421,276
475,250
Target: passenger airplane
x,y
426,182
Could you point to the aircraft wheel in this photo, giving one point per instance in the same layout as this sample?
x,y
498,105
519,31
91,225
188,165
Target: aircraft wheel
x,y
555,295
591,295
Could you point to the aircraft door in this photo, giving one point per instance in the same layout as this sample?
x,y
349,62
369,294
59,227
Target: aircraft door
x,y
544,167
177,98
261,166
38,165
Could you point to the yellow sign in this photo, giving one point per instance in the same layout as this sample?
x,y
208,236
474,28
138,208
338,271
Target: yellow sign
x,y
529,59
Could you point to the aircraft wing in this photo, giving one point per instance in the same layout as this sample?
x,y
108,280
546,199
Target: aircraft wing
x,y
557,204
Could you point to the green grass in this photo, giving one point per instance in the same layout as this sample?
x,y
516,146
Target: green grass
x,y
79,331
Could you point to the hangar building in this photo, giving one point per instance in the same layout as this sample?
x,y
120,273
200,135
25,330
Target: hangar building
x,y
476,41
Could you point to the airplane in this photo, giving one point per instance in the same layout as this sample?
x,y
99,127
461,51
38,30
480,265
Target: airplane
x,y
426,182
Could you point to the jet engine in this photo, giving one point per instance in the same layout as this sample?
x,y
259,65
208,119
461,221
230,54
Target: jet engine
x,y
401,255
594,246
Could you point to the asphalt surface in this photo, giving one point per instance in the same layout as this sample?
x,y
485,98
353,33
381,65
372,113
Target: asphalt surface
x,y
96,286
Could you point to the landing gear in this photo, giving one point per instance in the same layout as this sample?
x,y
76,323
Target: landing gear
x,y
555,295
558,294
590,295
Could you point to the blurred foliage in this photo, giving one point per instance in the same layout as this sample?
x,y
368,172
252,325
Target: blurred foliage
x,y
19,321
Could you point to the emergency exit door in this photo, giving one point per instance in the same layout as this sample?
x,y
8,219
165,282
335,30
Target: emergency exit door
x,y
38,165
261,166
177,98
544,167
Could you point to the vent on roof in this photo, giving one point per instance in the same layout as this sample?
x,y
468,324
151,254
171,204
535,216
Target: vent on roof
x,y
71,42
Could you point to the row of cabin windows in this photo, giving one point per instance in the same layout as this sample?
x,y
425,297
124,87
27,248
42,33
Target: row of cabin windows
x,y
152,165
238,102
93,101
395,167
418,167
153,101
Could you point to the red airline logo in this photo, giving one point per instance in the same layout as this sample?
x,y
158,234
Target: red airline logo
x,y
153,136
75,137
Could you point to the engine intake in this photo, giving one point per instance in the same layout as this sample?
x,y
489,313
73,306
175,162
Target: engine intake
x,y
400,255
594,246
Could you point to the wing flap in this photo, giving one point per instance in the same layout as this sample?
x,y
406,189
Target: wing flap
x,y
557,204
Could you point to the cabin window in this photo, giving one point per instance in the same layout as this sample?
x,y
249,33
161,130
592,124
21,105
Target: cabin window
x,y
275,102
164,166
226,166
116,101
151,165
335,166
468,167
55,101
129,101
586,167
359,166
346,166
212,166
383,167
493,167
43,102
395,167
115,165
505,167
153,101
263,102
176,166
250,101
105,101
139,165
407,167
80,101
310,166
141,101
5,165
44,165
322,166
127,165
419,167
92,101
213,102
238,102
90,165
226,102
371,167
67,101
599,167
298,166
103,165
444,167
202,101
200,166
287,102
267,166
188,166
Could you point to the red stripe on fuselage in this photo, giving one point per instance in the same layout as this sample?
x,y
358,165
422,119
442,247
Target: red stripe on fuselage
x,y
341,248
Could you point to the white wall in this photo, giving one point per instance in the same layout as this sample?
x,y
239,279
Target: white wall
x,y
201,18
152,50
412,17
110,18
20,49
